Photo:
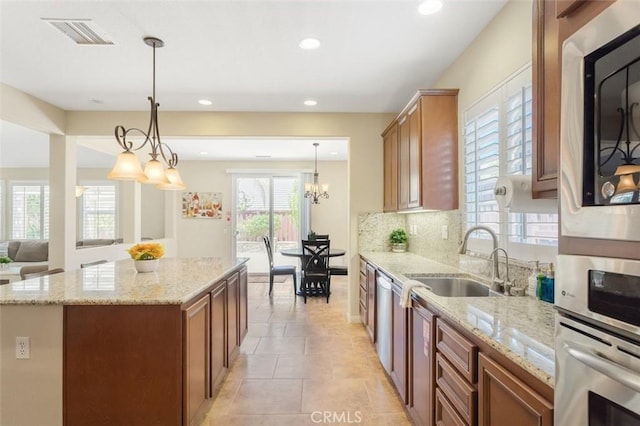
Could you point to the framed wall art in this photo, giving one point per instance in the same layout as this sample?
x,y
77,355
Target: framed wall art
x,y
202,205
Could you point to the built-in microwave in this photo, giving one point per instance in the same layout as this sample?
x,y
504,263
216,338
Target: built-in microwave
x,y
600,127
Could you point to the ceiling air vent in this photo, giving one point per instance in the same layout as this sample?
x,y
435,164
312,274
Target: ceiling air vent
x,y
81,31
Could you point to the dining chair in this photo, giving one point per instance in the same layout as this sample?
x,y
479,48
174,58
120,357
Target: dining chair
x,y
316,276
31,269
97,262
335,270
42,273
279,269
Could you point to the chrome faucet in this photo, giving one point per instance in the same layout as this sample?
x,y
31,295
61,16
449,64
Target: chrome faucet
x,y
499,284
494,237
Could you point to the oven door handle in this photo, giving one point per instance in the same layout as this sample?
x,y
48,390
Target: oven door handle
x,y
617,372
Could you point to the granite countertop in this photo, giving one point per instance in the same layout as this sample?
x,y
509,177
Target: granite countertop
x,y
176,281
520,328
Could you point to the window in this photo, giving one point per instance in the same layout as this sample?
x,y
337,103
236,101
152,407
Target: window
x,y
29,211
498,142
99,211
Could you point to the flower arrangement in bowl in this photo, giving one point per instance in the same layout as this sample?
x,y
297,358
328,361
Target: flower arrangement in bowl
x,y
146,255
398,239
5,261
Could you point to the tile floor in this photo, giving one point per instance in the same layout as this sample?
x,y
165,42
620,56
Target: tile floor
x,y
304,365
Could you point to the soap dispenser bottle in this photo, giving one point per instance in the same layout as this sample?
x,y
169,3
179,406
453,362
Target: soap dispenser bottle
x,y
532,281
548,286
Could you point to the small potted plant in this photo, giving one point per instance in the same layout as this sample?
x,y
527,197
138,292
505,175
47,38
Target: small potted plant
x,y
398,239
5,261
146,256
312,236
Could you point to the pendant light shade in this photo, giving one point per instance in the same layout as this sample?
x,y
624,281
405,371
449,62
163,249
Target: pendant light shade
x,y
174,181
154,173
626,184
127,167
314,190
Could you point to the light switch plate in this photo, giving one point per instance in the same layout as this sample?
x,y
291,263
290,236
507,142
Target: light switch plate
x,y
445,232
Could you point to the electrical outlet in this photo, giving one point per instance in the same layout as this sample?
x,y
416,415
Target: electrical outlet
x,y
445,232
23,348
413,229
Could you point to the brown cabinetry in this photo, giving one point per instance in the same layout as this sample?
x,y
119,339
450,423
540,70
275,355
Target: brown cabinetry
x,y
197,355
505,399
553,22
368,297
420,399
371,302
243,305
218,333
363,293
399,344
390,140
233,302
422,171
455,371
151,364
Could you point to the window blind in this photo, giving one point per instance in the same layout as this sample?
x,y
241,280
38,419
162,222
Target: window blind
x,y
99,211
29,211
498,141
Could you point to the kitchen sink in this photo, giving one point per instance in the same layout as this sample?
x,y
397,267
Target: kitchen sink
x,y
454,286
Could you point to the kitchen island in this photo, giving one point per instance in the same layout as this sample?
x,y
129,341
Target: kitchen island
x,y
111,346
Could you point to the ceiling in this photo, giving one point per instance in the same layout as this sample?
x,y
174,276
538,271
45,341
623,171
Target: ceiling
x,y
242,55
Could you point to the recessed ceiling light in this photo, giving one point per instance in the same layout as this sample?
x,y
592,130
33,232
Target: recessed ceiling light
x,y
309,43
205,102
203,152
310,102
334,153
263,156
429,7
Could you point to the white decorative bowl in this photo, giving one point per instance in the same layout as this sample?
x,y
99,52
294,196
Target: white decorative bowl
x,y
146,265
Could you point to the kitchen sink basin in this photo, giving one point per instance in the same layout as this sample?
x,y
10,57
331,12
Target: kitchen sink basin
x,y
454,286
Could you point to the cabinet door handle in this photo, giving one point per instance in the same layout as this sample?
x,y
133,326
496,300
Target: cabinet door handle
x,y
619,373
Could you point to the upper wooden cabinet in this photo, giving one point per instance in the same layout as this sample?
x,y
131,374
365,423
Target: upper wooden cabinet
x,y
553,22
390,138
421,171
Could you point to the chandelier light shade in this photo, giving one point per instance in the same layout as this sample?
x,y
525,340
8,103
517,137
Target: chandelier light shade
x,y
128,166
314,190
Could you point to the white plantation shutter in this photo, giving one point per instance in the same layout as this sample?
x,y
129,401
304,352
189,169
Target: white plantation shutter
x,y
29,211
99,211
498,142
482,168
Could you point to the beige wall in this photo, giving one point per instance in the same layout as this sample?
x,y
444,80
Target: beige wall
x,y
199,237
364,180
31,390
503,47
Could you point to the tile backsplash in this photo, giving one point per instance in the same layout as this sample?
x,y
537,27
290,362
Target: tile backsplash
x,y
428,241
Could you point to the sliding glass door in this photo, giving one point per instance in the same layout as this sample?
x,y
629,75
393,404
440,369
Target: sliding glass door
x,y
267,205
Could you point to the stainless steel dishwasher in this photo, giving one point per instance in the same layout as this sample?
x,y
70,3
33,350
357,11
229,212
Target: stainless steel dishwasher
x,y
383,320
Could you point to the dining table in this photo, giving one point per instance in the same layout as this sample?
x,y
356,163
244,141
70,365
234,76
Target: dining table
x,y
297,252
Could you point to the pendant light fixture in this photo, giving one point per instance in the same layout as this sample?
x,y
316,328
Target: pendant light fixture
x,y
128,166
314,190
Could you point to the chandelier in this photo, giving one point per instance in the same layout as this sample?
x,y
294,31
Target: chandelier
x,y
312,190
128,166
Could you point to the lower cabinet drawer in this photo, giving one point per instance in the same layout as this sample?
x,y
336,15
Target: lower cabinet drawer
x,y
446,415
363,296
460,393
363,313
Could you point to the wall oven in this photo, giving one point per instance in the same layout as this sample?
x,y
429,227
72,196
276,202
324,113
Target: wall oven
x,y
597,342
600,127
